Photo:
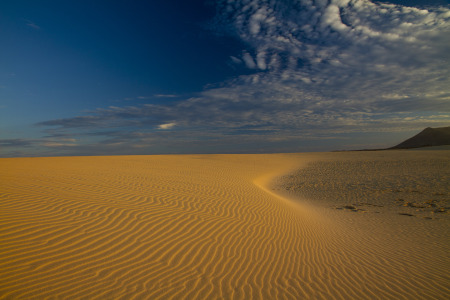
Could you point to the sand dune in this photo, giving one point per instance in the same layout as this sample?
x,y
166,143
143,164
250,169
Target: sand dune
x,y
189,227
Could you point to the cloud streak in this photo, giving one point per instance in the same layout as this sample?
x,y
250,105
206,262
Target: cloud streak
x,y
32,24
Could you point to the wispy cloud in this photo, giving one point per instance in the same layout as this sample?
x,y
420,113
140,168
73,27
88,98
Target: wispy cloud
x,y
342,56
167,126
15,143
165,96
36,147
32,24
155,96
319,68
235,60
318,64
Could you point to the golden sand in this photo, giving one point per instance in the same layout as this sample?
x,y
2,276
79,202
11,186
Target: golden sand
x,y
193,227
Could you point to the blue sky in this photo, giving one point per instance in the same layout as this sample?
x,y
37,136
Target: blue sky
x,y
227,76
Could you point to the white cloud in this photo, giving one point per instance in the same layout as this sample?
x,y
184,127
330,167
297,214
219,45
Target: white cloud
x,y
235,60
332,17
256,20
167,126
340,3
261,60
248,60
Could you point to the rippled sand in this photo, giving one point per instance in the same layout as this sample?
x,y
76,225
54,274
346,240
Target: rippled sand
x,y
198,226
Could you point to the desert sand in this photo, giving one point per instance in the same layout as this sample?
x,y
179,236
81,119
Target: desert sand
x,y
223,227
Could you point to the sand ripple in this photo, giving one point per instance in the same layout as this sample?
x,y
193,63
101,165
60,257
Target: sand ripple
x,y
180,227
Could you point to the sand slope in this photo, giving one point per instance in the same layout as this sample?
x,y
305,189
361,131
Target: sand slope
x,y
182,227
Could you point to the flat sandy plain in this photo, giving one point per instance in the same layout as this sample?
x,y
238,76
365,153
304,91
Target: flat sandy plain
x,y
275,226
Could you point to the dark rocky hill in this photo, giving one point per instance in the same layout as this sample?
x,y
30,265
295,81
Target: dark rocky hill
x,y
426,138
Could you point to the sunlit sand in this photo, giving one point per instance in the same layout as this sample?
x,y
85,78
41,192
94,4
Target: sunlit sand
x,y
219,227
